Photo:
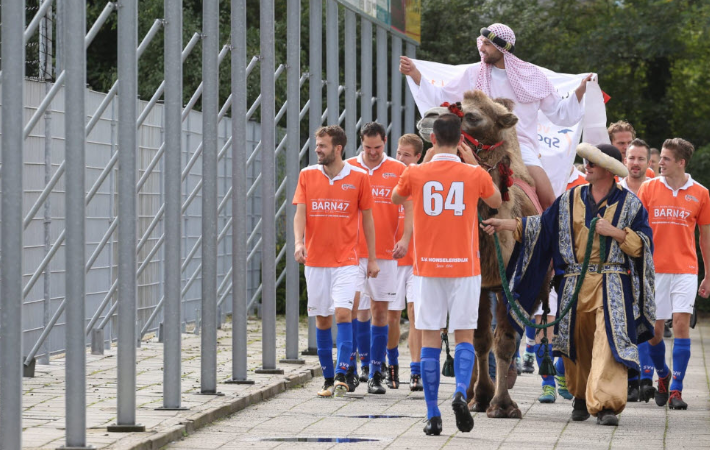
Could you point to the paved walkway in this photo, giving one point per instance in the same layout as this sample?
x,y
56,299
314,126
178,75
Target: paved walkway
x,y
44,395
286,406
298,413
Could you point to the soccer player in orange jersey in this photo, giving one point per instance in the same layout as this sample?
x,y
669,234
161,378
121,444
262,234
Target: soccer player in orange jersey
x,y
330,199
621,134
676,204
376,294
409,151
638,157
445,194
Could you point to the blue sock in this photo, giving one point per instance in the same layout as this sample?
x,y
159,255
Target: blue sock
x,y
560,367
463,366
345,346
324,341
378,348
658,356
529,339
353,354
646,362
430,380
492,365
393,356
415,368
547,380
681,356
363,342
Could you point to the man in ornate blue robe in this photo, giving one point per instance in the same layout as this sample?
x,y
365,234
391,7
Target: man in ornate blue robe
x,y
615,308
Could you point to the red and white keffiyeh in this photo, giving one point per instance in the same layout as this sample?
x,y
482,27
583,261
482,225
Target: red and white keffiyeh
x,y
527,80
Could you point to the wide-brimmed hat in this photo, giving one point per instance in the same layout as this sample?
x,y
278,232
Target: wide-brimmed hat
x,y
605,155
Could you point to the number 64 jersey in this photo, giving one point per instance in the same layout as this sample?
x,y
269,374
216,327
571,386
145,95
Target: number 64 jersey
x,y
445,194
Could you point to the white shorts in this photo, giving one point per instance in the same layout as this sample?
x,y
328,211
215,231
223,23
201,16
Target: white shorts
x,y
434,297
383,288
675,293
329,288
531,156
405,288
553,304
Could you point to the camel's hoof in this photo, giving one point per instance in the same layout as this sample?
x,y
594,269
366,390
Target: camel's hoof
x,y
514,413
511,412
477,407
495,413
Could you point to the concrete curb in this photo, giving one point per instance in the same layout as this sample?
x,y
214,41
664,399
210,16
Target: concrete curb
x,y
203,418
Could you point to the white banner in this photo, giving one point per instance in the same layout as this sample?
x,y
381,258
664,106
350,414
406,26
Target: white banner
x,y
556,144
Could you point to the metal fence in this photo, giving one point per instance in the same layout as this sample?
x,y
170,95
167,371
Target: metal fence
x,y
185,224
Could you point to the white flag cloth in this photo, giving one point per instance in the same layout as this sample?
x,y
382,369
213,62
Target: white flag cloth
x,y
556,144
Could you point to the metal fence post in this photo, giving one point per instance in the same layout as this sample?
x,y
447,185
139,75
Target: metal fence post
x,y
128,145
268,190
75,121
315,78
315,110
396,95
13,49
293,165
408,98
210,109
365,70
172,338
350,82
332,63
239,197
47,216
382,63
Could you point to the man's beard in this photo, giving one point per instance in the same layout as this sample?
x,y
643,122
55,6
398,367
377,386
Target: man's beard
x,y
491,59
328,159
639,174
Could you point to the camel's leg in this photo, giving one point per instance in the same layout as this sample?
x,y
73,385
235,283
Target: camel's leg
x,y
481,384
502,406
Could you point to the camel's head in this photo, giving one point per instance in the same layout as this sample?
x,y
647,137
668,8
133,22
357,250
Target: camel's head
x,y
426,125
486,119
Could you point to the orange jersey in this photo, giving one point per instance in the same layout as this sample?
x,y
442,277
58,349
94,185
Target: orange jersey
x,y
650,173
333,214
577,178
673,216
445,194
408,259
383,180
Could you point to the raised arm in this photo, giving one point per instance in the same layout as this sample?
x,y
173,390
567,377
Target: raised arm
x,y
569,110
431,94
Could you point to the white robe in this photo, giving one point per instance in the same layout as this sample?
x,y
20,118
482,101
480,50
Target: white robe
x,y
566,111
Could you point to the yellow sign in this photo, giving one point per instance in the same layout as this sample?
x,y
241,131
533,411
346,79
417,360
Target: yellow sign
x,y
404,16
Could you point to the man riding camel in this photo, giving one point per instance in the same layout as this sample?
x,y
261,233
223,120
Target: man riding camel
x,y
502,74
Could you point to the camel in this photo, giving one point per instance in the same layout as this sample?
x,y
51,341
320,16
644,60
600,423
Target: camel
x,y
489,127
